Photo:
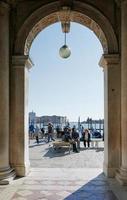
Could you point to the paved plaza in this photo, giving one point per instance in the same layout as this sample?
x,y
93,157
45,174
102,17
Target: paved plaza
x,y
43,155
58,175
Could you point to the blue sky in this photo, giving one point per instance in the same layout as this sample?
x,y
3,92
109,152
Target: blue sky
x,y
70,87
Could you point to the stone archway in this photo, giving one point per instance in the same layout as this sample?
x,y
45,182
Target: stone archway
x,y
92,18
82,13
73,16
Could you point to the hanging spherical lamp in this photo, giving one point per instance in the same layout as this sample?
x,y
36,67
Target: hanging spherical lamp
x,y
64,51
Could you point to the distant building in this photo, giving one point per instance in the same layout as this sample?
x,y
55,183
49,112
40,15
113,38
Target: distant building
x,y
55,120
43,121
32,118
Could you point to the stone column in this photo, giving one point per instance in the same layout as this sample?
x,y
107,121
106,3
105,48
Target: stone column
x,y
111,66
122,174
5,171
19,152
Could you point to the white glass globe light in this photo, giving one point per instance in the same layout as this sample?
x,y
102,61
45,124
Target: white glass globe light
x,y
64,51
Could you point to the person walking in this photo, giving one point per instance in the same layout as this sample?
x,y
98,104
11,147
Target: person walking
x,y
37,134
42,132
37,139
31,131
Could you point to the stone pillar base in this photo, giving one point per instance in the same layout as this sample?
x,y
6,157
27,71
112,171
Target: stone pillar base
x,y
108,171
6,176
121,176
22,170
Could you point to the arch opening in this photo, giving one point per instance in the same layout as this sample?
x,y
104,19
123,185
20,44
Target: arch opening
x,y
66,71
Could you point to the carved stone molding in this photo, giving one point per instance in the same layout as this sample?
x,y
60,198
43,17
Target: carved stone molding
x,y
22,61
4,6
80,12
109,60
72,16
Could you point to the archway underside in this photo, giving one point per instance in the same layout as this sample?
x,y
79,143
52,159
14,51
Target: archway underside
x,y
73,16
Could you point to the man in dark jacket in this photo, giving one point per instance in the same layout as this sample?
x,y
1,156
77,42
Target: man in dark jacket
x,y
50,132
76,139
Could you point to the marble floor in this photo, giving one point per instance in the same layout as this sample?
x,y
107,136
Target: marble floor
x,y
60,184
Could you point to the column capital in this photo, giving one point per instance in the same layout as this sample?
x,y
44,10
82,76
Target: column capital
x,y
4,6
109,60
123,1
120,2
20,61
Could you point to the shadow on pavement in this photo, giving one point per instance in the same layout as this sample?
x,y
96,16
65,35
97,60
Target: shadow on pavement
x,y
99,149
41,142
51,152
96,189
61,151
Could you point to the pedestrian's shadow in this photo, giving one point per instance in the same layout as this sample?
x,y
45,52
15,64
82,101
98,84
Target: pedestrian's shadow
x,y
41,142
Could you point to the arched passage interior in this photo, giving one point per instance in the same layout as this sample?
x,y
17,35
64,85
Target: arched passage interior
x,y
96,21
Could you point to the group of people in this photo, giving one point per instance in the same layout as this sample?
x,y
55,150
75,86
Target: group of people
x,y
68,135
72,136
49,134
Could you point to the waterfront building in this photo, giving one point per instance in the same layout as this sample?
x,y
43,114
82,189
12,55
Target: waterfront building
x,y
43,121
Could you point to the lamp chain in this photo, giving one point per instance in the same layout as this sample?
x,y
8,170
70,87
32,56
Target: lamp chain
x,y
65,39
65,33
